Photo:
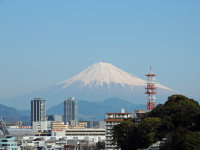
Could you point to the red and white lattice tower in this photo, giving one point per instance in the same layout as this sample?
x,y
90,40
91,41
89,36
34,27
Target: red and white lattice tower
x,y
151,90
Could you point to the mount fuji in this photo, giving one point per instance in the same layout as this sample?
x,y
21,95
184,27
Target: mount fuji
x,y
96,83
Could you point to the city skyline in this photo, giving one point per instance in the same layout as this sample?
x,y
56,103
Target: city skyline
x,y
43,43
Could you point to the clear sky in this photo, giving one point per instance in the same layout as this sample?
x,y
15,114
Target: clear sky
x,y
45,42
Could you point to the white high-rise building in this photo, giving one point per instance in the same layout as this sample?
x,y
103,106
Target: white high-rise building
x,y
71,111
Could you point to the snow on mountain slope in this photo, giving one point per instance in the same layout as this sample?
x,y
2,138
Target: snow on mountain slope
x,y
96,83
102,73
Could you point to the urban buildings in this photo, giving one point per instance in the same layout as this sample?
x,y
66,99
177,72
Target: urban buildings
x,y
8,143
38,114
61,142
95,124
52,118
111,120
79,132
71,111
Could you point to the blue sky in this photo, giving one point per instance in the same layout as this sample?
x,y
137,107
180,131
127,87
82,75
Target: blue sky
x,y
44,42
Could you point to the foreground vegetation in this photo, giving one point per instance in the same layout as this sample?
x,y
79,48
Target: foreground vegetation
x,y
178,121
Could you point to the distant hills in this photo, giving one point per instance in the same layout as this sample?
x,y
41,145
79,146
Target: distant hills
x,y
87,110
10,114
97,110
95,83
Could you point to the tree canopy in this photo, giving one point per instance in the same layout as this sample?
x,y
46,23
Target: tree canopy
x,y
178,120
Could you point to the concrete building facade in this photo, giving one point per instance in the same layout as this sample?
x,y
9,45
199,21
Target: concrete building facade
x,y
38,114
71,111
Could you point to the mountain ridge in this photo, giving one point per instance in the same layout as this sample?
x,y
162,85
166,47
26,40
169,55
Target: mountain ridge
x,y
102,73
95,83
10,114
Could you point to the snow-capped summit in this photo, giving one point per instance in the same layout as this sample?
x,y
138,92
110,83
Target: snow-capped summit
x,y
96,83
100,74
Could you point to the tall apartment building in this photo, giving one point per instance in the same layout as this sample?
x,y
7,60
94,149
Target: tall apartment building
x,y
38,114
111,120
71,111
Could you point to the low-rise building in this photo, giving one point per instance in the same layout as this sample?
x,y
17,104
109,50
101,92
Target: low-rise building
x,y
93,135
80,132
58,128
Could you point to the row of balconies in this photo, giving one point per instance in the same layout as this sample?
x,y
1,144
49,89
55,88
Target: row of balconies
x,y
109,127
109,138
112,123
119,116
108,135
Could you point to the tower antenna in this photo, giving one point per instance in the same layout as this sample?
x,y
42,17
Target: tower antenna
x,y
151,90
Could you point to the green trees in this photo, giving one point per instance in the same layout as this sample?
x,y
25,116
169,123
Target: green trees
x,y
147,131
124,133
183,123
178,120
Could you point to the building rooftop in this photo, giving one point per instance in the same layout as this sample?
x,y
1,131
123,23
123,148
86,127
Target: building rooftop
x,y
140,111
113,120
118,113
21,132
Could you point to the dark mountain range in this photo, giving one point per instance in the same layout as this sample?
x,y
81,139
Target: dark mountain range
x,y
11,115
97,110
87,110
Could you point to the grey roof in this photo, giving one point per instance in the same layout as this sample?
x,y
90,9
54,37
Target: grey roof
x,y
21,132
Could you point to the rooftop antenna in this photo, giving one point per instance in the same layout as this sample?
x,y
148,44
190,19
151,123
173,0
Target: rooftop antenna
x,y
93,116
150,69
